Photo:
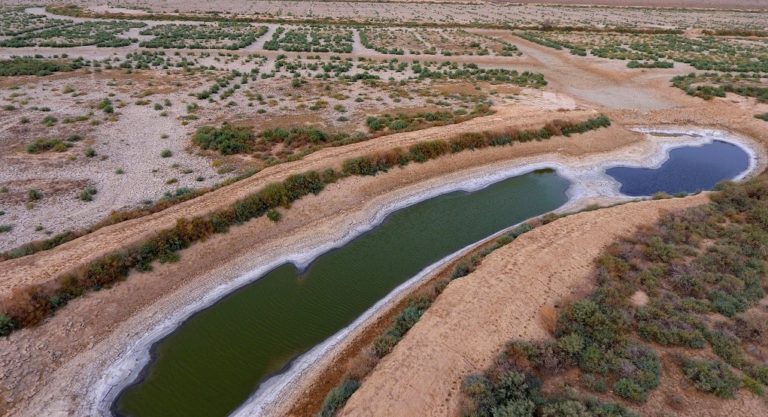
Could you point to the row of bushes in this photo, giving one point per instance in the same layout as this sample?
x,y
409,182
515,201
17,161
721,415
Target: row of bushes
x,y
77,11
709,85
228,139
423,151
650,64
44,145
510,392
402,122
704,261
36,66
30,305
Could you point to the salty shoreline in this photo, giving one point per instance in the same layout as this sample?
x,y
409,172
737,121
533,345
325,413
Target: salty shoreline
x,y
276,395
588,184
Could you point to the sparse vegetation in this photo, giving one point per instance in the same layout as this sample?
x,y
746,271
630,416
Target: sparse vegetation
x,y
43,145
221,35
99,33
37,66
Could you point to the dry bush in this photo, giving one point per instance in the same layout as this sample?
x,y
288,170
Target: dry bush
x,y
549,318
362,364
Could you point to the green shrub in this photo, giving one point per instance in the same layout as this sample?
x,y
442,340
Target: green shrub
x,y
727,347
398,124
274,215
34,195
166,153
36,66
424,151
521,408
43,145
565,408
338,397
227,139
629,390
712,376
384,344
49,121
6,325
88,193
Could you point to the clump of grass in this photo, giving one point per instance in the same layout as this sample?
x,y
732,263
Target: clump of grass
x,y
274,215
43,145
227,140
34,195
338,397
87,194
713,377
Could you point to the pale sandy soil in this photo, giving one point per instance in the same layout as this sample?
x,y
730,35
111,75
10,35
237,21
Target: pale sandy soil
x,y
449,12
715,4
471,320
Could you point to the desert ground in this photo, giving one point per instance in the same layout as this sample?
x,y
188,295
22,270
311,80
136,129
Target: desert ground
x,y
122,121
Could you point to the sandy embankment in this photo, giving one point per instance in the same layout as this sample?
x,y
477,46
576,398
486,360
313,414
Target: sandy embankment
x,y
472,319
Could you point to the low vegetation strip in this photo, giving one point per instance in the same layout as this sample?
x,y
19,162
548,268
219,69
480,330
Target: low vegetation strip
x,y
709,85
40,67
415,306
30,305
687,289
77,11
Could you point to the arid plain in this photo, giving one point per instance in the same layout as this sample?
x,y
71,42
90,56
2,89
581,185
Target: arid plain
x,y
143,142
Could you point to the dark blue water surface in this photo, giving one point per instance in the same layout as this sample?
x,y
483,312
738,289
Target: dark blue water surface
x,y
689,169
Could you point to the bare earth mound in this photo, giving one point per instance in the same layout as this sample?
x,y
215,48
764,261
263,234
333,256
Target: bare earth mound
x,y
503,299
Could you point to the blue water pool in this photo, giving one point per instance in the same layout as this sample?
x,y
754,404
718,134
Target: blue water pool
x,y
689,169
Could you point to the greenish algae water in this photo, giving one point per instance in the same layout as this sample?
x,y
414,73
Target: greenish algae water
x,y
218,358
